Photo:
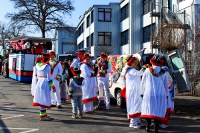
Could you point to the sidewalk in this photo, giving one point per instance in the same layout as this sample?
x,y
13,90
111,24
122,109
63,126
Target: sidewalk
x,y
187,105
187,116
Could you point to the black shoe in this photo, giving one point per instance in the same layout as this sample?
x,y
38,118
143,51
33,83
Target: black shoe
x,y
59,106
148,130
53,105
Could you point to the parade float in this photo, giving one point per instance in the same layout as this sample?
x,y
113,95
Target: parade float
x,y
20,55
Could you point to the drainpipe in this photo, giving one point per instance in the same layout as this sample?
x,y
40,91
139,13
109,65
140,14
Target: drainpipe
x,y
130,28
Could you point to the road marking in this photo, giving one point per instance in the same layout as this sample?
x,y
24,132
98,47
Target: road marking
x,y
28,129
10,116
11,106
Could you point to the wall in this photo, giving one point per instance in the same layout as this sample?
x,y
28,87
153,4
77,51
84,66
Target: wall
x,y
136,26
65,41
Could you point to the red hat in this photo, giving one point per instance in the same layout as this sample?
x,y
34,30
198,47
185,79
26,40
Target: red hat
x,y
86,56
104,55
45,56
81,52
52,53
38,59
157,60
130,59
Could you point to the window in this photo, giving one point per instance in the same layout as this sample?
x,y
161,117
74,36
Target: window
x,y
177,63
88,20
92,38
81,45
147,6
104,38
125,12
181,0
92,16
88,41
80,29
125,37
104,14
147,32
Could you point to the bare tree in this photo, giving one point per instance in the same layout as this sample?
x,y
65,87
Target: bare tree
x,y
3,34
15,31
8,31
192,59
105,48
44,15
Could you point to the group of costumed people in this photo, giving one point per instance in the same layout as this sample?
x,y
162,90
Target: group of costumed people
x,y
147,93
88,78
147,90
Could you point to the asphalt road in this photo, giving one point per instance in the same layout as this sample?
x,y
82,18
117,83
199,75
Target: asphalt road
x,y
18,115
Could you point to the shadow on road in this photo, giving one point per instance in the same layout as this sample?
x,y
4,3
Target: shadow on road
x,y
3,128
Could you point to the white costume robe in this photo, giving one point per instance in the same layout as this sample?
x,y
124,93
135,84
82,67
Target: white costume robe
x,y
154,90
133,99
42,96
75,63
34,81
89,88
55,96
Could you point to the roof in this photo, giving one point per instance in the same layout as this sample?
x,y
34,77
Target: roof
x,y
29,38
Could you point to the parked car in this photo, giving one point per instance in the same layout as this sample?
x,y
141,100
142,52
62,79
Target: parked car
x,y
173,61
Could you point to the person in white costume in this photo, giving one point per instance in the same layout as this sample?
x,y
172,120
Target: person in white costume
x,y
42,91
34,77
165,123
90,86
76,61
133,99
154,90
104,68
56,73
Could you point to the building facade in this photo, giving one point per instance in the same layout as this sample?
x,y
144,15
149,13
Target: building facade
x,y
100,27
65,40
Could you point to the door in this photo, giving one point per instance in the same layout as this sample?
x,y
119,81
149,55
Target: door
x,y
179,70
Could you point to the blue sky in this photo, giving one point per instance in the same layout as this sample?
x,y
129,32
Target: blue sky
x,y
80,7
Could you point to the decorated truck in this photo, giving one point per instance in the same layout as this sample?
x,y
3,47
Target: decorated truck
x,y
20,54
173,61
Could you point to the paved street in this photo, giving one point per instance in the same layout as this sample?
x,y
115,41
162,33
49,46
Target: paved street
x,y
18,115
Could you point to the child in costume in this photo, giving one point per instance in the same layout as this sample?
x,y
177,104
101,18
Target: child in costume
x,y
43,87
75,93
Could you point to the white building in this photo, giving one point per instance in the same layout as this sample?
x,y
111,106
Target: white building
x,y
100,26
